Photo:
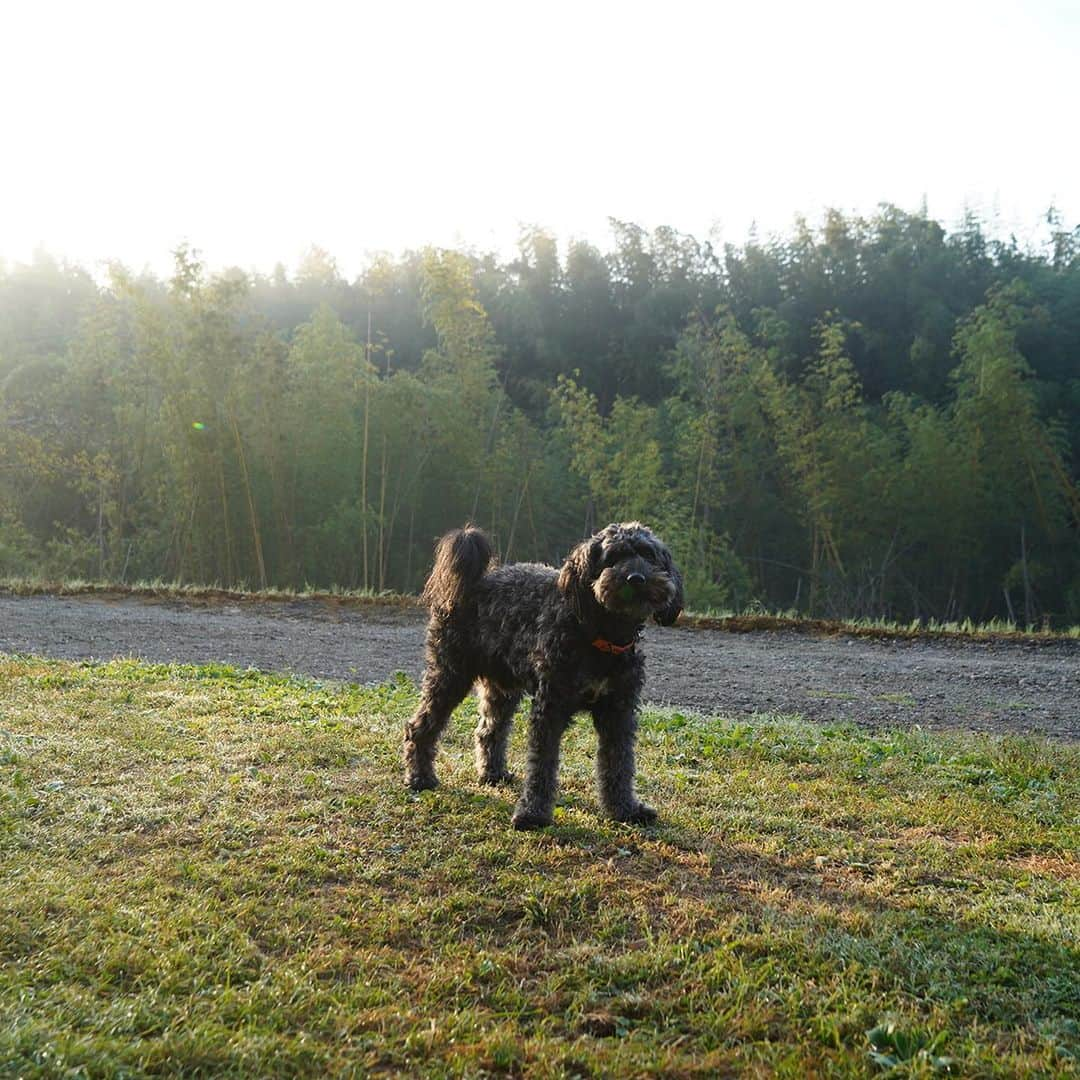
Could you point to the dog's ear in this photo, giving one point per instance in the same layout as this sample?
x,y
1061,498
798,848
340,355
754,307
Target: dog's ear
x,y
577,573
667,615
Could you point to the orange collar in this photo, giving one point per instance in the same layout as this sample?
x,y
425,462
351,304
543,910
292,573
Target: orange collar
x,y
610,647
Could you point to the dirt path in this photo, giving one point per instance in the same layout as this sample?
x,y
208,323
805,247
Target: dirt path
x,y
1021,687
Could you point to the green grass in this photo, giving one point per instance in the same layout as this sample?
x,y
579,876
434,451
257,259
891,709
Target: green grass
x,y
212,872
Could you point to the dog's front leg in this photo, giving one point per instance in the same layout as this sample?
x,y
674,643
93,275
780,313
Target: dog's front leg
x,y
616,729
547,722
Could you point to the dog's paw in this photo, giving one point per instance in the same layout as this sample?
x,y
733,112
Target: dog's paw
x,y
638,814
421,781
496,779
525,819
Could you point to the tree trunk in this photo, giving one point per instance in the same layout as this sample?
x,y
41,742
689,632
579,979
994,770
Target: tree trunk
x,y
255,535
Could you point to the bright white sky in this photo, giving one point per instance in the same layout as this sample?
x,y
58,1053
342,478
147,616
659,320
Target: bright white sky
x,y
254,130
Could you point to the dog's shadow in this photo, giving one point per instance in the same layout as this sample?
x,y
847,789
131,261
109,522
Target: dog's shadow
x,y
578,822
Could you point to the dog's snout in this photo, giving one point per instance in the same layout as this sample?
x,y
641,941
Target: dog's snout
x,y
635,578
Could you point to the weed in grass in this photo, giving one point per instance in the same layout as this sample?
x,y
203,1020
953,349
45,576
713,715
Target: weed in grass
x,y
897,699
893,1047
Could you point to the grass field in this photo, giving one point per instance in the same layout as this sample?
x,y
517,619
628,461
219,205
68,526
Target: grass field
x,y
213,872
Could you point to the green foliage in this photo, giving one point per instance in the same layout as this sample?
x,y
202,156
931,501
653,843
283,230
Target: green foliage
x,y
874,418
618,456
16,547
621,461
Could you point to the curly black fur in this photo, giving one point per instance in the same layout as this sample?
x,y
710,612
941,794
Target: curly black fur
x,y
527,628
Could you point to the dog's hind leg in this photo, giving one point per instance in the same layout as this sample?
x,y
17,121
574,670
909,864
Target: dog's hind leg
x,y
547,722
496,709
616,727
441,693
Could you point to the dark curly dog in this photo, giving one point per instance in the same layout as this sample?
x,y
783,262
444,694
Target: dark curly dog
x,y
568,637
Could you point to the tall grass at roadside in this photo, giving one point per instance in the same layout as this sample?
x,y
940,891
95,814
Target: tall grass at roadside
x,y
748,620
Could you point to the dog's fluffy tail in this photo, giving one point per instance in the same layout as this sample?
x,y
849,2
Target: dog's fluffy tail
x,y
461,559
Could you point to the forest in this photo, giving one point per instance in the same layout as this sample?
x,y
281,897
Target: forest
x,y
866,417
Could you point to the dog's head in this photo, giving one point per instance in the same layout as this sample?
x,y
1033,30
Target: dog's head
x,y
628,571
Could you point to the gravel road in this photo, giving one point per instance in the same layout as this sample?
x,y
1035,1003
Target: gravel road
x,y
998,686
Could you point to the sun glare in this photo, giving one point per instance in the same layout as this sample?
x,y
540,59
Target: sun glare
x,y
254,131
